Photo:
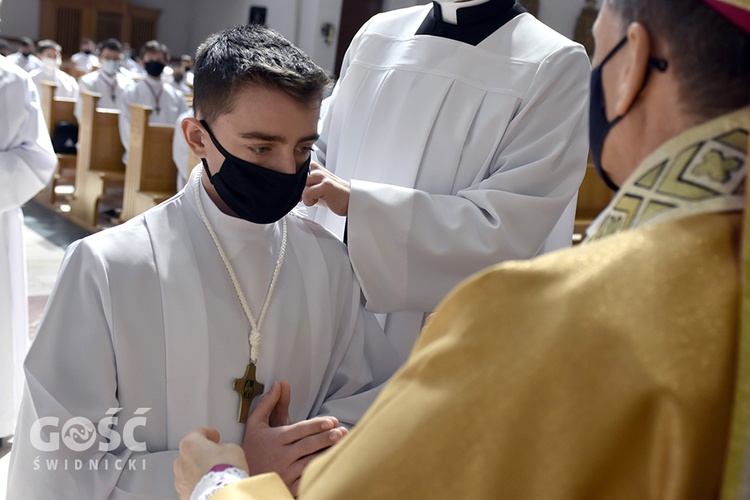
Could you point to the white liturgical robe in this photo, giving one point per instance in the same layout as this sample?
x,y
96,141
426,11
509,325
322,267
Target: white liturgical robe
x,y
26,165
144,317
168,104
111,88
67,86
27,63
460,156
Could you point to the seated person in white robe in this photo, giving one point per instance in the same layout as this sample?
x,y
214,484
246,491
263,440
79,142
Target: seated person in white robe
x,y
166,101
153,325
109,80
25,57
86,59
50,53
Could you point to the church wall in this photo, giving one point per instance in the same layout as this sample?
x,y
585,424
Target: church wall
x,y
315,14
172,22
561,15
213,16
19,18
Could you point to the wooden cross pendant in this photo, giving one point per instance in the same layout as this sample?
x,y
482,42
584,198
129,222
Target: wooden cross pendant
x,y
247,387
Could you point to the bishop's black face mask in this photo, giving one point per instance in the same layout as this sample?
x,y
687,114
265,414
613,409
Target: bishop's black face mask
x,y
599,125
254,193
154,68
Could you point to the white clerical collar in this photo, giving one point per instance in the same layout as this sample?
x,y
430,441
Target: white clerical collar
x,y
449,10
225,225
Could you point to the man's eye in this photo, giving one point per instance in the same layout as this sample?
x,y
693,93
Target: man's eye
x,y
260,149
304,149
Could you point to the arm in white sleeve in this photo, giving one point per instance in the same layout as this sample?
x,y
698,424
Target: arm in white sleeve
x,y
27,160
362,359
409,248
72,373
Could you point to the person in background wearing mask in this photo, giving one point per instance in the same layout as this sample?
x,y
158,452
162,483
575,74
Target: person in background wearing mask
x,y
5,49
25,57
167,102
618,369
86,60
109,80
179,80
50,53
129,63
187,66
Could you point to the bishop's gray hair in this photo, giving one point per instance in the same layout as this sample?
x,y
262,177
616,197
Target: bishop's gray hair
x,y
709,55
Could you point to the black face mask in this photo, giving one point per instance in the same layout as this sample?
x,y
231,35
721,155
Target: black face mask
x,y
599,125
87,52
178,77
154,68
254,193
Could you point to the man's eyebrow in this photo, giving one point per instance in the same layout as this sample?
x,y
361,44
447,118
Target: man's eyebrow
x,y
275,138
261,136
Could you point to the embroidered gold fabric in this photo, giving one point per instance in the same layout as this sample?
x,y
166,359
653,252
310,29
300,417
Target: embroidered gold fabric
x,y
700,171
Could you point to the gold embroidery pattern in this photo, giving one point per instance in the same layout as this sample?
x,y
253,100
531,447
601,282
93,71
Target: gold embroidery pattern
x,y
697,178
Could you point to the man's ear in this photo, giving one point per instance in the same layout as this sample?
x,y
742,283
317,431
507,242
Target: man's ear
x,y
634,69
194,134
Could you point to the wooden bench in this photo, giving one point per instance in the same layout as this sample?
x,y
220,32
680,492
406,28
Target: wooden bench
x,y
593,197
151,175
100,173
56,110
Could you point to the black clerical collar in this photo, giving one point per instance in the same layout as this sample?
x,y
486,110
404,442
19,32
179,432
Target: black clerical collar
x,y
474,22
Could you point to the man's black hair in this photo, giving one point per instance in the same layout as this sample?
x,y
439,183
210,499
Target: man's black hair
x,y
252,55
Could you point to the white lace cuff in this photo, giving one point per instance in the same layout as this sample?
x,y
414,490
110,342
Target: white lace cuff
x,y
213,481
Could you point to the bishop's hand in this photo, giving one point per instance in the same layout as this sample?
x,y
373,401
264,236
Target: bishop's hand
x,y
325,188
273,444
199,452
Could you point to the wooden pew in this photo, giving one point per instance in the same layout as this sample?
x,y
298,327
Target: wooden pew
x,y
55,110
593,197
151,174
100,173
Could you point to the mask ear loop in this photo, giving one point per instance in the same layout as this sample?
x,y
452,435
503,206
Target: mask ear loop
x,y
221,149
660,65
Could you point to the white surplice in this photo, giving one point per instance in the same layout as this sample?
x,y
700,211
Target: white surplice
x,y
26,165
27,63
111,88
145,316
155,94
67,86
460,156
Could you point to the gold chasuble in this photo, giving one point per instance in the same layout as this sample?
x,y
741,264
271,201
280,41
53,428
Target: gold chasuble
x,y
603,371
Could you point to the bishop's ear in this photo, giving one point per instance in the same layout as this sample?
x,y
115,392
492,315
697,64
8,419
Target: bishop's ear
x,y
634,68
195,135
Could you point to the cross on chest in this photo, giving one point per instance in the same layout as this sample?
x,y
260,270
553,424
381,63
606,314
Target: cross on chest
x,y
247,388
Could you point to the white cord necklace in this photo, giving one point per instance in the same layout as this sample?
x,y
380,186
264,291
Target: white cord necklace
x,y
254,337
